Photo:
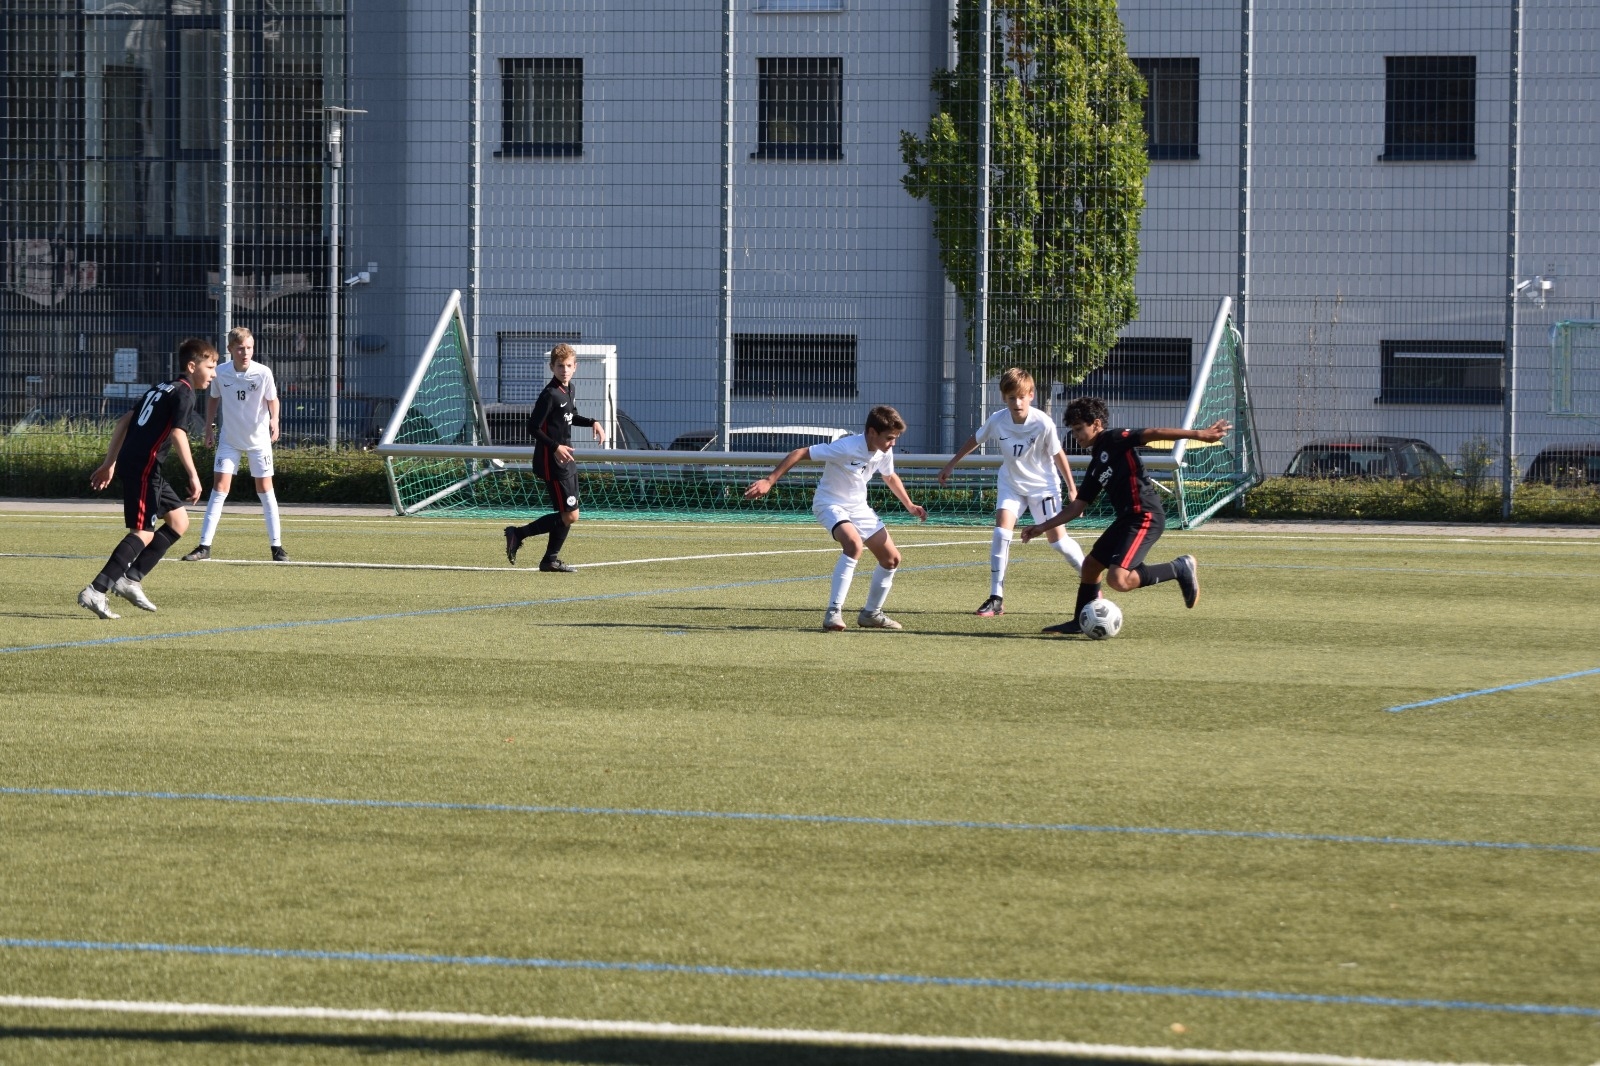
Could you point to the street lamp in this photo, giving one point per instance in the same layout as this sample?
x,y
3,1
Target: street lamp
x,y
335,121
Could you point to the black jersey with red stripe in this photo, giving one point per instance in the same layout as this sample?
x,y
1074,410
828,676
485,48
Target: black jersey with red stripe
x,y
1116,469
162,409
554,415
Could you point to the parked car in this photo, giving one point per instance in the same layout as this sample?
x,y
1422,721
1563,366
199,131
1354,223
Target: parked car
x,y
778,440
1568,465
1375,457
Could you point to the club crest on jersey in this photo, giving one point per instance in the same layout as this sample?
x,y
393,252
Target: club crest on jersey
x,y
1105,457
572,501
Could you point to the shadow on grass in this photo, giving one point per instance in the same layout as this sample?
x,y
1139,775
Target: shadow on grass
x,y
681,628
590,1051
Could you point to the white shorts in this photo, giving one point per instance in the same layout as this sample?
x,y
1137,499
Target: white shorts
x,y
864,518
1043,508
228,460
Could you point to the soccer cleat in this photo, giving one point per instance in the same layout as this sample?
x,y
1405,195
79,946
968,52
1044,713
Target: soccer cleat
x,y
876,620
833,622
133,592
1069,628
513,542
552,564
199,555
278,554
92,599
993,607
1188,578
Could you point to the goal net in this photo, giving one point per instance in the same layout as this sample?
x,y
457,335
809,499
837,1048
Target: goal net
x,y
442,459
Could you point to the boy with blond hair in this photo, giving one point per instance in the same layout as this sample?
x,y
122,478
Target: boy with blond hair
x,y
840,507
550,425
245,394
1032,470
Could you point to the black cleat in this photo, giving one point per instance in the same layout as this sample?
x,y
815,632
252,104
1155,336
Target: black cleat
x,y
199,555
1188,578
993,607
278,554
552,564
513,542
1069,628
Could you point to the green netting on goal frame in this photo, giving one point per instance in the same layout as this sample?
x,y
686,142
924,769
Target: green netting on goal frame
x,y
441,460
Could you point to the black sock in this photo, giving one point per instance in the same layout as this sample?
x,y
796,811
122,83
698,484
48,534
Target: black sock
x,y
126,552
1087,594
147,560
1155,575
540,526
558,537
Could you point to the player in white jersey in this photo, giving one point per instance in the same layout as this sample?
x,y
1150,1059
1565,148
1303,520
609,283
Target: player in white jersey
x,y
1033,469
840,506
246,396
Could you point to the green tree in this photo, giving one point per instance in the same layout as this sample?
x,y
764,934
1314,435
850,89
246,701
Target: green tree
x,y
1067,163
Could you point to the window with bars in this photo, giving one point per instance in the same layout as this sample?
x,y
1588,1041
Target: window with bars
x,y
1442,372
801,108
1171,107
541,105
1429,108
794,365
1141,368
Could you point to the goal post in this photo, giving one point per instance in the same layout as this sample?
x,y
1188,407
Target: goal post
x,y
441,458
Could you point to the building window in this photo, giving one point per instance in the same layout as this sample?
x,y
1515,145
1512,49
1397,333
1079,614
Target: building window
x,y
801,108
798,5
525,364
1141,368
794,365
1442,372
541,107
1171,107
1429,108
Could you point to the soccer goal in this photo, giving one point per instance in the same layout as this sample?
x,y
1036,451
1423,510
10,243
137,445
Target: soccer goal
x,y
442,459
1575,368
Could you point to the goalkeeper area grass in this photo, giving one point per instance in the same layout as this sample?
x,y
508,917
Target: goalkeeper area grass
x,y
656,792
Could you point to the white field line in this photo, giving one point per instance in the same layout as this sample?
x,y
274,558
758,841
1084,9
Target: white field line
x,y
524,569
818,1037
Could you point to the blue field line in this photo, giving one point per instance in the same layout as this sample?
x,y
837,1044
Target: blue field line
x,y
813,819
595,598
1497,688
786,974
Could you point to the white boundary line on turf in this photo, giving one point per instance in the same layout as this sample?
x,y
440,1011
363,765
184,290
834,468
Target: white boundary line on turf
x,y
816,1037
515,569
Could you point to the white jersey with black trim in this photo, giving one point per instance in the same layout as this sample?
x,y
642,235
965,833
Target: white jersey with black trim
x,y
243,396
1028,450
847,465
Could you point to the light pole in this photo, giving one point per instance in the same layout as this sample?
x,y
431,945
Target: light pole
x,y
335,117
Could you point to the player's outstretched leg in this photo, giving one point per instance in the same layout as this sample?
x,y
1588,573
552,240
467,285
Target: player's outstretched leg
x,y
888,556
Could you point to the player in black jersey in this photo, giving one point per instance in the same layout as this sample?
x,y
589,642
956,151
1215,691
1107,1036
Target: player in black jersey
x,y
551,426
142,439
1116,470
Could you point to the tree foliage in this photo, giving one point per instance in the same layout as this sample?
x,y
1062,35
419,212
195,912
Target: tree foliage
x,y
1067,163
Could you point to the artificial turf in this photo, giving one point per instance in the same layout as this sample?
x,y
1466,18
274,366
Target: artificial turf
x,y
600,727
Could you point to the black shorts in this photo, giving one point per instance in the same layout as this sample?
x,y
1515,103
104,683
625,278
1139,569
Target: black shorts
x,y
560,481
1128,539
144,499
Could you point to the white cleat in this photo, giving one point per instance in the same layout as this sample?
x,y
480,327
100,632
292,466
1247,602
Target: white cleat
x,y
133,592
92,599
833,622
876,620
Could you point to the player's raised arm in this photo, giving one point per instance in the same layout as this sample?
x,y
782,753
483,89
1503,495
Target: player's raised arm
x,y
1211,434
898,487
950,467
764,485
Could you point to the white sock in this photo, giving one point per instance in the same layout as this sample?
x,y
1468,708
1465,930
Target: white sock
x,y
1070,550
269,511
208,527
881,580
999,555
844,571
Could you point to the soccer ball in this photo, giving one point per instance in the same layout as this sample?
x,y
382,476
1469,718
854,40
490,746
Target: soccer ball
x,y
1100,619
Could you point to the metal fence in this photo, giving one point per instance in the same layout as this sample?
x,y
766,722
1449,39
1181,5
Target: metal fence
x,y
1399,197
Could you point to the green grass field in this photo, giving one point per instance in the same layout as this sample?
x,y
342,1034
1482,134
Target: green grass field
x,y
980,855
